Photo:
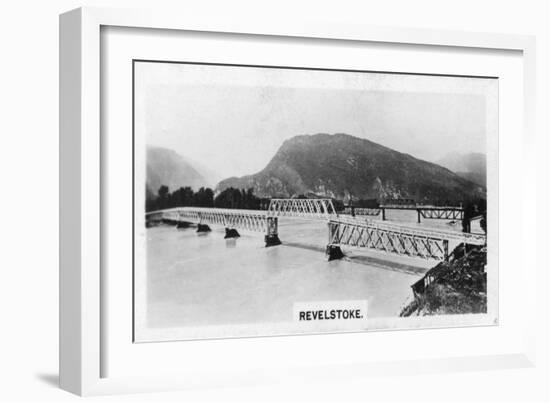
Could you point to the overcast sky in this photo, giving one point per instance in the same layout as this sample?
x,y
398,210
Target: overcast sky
x,y
233,119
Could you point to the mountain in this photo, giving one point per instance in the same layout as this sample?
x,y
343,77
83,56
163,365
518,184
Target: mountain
x,y
166,167
210,176
341,165
471,166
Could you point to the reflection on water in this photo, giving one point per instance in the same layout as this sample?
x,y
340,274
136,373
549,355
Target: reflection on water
x,y
203,279
231,243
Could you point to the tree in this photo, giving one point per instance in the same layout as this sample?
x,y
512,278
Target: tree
x,y
204,198
237,199
163,193
182,197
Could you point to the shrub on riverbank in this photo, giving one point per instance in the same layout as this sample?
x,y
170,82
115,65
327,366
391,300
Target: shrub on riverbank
x,y
454,287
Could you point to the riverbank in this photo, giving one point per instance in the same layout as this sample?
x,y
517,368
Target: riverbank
x,y
458,286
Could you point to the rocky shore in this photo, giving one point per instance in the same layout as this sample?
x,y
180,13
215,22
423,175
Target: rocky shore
x,y
456,286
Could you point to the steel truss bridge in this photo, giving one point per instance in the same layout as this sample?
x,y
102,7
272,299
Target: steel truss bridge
x,y
430,212
307,208
349,232
265,221
362,211
395,239
427,212
443,213
250,220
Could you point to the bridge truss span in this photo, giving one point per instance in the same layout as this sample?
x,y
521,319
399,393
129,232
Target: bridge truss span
x,y
250,220
457,237
362,235
363,211
442,213
306,208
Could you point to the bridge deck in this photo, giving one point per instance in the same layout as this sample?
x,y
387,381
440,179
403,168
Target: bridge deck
x,y
460,237
363,211
195,214
402,239
419,207
207,209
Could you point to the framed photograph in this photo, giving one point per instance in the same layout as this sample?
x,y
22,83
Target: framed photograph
x,y
223,183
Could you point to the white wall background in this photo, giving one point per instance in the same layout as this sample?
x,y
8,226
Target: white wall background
x,y
29,197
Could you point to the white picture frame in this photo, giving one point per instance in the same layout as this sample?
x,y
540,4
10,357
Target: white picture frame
x,y
82,343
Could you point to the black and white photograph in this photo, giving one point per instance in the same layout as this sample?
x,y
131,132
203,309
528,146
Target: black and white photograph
x,y
275,200
254,202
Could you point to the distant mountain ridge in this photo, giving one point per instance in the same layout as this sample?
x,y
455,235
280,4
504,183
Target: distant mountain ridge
x,y
166,167
341,166
471,166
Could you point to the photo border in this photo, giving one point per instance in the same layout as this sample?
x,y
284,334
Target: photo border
x,y
476,321
80,257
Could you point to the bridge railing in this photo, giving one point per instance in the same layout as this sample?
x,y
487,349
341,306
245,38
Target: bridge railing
x,y
251,220
474,239
390,206
205,209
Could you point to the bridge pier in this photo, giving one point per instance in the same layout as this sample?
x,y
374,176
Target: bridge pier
x,y
203,228
231,233
334,252
183,224
418,212
272,236
383,214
